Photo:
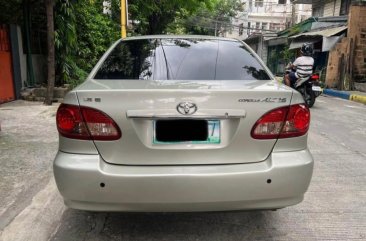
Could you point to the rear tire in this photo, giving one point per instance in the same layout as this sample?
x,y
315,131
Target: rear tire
x,y
309,98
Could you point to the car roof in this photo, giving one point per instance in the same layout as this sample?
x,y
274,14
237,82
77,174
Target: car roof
x,y
179,37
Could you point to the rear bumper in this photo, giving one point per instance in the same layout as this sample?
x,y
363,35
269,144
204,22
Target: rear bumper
x,y
183,188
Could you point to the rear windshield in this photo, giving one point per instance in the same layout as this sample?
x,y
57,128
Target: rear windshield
x,y
181,59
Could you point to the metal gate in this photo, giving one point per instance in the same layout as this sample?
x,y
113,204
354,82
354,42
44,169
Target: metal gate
x,y
7,92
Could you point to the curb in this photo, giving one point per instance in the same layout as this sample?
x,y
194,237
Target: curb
x,y
336,93
345,95
358,98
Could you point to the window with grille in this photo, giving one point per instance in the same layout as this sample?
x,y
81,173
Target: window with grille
x,y
259,3
241,29
257,26
345,4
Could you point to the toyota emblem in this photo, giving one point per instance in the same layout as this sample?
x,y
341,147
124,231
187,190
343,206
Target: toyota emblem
x,y
186,108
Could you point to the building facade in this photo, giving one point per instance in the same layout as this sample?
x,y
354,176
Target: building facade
x,y
337,34
267,16
330,8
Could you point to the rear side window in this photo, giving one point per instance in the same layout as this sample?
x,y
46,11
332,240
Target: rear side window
x,y
181,59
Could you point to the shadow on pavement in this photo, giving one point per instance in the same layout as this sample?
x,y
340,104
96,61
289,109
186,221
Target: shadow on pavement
x,y
80,225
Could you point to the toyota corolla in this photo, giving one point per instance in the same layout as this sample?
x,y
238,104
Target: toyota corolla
x,y
182,123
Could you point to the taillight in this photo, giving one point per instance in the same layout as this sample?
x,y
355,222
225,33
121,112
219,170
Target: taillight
x,y
315,77
284,122
297,122
86,123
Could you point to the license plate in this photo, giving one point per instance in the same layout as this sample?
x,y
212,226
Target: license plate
x,y
187,131
316,88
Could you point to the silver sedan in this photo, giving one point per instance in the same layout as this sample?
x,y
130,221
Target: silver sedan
x,y
182,123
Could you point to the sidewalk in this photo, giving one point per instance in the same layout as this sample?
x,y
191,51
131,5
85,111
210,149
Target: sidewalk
x,y
356,96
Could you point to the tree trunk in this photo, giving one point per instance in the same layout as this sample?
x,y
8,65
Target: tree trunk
x,y
51,52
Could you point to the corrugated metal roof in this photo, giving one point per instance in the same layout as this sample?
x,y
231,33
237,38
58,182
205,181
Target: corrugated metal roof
x,y
325,32
338,19
296,44
276,41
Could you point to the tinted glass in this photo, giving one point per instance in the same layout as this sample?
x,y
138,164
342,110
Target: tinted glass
x,y
129,60
181,59
190,59
235,62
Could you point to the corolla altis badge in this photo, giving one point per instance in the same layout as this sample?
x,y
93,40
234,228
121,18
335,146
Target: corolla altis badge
x,y
186,108
265,100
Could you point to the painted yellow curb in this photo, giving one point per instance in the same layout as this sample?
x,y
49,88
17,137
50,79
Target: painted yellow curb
x,y
358,98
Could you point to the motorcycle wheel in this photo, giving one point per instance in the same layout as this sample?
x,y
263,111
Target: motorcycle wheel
x,y
309,98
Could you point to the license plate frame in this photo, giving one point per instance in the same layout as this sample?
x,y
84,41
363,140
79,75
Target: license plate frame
x,y
214,135
316,88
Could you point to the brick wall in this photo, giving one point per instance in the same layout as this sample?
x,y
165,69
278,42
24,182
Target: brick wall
x,y
335,66
357,32
353,49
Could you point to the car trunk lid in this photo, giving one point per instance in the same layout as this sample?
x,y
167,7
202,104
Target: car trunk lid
x,y
143,109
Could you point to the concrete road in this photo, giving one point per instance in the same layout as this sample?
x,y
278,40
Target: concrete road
x,y
334,207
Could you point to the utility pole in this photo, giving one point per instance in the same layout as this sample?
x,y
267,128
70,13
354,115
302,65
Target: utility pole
x,y
215,29
124,18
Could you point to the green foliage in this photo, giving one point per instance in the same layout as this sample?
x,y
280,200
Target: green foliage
x,y
212,18
96,32
154,16
82,34
287,54
65,41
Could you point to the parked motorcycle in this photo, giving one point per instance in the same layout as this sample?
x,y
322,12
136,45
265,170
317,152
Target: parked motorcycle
x,y
309,87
